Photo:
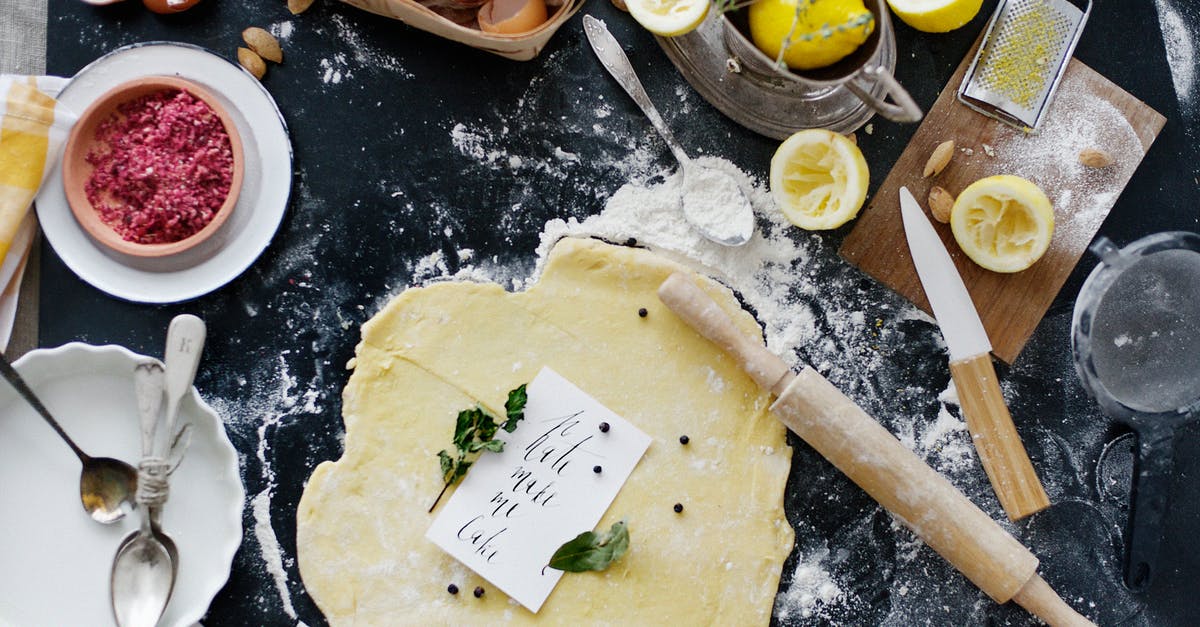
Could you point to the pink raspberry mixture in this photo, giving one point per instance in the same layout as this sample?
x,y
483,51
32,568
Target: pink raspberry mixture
x,y
163,167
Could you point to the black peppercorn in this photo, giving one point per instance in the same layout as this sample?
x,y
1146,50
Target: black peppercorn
x,y
631,241
478,592
452,589
596,469
643,313
604,427
679,508
683,439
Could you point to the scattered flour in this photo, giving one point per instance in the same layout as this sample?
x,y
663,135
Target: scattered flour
x,y
358,53
714,203
335,69
1180,24
274,398
269,545
1082,196
811,590
282,30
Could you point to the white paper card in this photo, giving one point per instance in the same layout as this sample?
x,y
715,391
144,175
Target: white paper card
x,y
516,507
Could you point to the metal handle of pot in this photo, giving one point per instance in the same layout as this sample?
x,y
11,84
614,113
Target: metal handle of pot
x,y
904,109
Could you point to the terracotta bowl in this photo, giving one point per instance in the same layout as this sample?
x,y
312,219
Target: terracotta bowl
x,y
76,169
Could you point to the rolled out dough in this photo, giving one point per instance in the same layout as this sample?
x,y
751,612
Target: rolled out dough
x,y
435,350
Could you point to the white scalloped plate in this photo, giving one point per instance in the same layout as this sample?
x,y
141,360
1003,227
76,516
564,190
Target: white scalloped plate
x,y
56,558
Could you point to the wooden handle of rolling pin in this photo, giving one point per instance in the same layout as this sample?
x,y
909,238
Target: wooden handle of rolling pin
x,y
1000,449
875,460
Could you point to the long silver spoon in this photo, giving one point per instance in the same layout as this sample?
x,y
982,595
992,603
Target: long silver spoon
x,y
147,562
713,203
105,484
143,572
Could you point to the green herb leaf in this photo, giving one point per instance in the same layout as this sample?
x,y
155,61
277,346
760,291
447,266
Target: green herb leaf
x,y
487,427
474,432
515,408
464,427
592,551
447,464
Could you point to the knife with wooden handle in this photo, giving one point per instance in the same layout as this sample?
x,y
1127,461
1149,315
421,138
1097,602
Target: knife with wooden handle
x,y
1000,449
873,458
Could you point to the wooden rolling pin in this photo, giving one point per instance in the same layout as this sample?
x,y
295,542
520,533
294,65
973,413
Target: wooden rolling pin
x,y
874,459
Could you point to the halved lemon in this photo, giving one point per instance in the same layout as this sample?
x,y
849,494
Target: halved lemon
x,y
935,16
1003,223
668,18
819,179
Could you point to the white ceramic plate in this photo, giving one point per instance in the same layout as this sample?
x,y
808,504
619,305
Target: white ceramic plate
x,y
261,203
56,559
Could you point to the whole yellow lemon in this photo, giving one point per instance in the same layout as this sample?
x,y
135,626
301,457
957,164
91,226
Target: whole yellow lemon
x,y
818,33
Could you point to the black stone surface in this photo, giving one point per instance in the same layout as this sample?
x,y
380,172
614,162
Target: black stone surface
x,y
378,184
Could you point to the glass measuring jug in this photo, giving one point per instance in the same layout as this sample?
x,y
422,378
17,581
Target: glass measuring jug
x,y
1135,337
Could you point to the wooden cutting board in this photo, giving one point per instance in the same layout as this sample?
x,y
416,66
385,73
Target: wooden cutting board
x,y
1088,111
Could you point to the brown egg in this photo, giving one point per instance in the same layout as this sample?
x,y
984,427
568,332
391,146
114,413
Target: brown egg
x,y
511,16
169,6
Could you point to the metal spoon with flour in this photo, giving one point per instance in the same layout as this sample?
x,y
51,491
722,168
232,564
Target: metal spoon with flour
x,y
713,203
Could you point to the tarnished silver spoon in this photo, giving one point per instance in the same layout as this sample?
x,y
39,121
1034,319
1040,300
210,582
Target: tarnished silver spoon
x,y
147,562
105,484
143,572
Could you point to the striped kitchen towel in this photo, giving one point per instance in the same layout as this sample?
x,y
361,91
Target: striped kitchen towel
x,y
33,128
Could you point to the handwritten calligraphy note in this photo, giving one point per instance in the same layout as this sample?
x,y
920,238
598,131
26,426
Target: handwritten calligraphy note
x,y
516,507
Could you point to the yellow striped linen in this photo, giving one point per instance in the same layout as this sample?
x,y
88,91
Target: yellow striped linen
x,y
33,128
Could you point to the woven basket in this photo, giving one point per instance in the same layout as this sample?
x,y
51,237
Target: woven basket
x,y
519,47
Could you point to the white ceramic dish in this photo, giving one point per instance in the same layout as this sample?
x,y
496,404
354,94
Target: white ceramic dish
x,y
260,207
56,559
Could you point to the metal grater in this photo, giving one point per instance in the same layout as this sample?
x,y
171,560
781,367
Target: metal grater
x,y
1024,54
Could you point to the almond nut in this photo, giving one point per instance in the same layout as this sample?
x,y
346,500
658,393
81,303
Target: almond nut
x,y
620,4
263,44
940,204
1094,158
299,6
252,62
939,159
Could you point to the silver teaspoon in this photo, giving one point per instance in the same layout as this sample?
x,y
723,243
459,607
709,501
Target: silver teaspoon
x,y
144,569
713,203
147,563
105,484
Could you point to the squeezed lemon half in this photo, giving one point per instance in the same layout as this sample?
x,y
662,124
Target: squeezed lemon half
x,y
819,179
1003,223
818,32
668,18
935,16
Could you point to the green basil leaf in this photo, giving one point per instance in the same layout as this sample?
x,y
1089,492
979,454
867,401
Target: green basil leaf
x,y
592,551
474,432
487,427
464,427
460,470
515,408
